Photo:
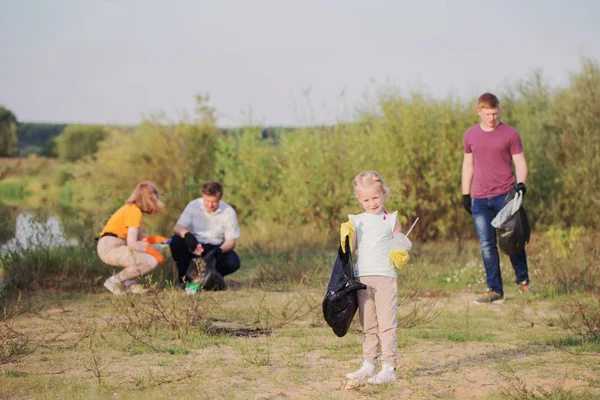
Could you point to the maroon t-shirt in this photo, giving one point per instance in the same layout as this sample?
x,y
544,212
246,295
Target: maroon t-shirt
x,y
492,157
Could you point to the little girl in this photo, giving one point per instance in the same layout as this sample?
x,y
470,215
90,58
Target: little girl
x,y
123,244
378,304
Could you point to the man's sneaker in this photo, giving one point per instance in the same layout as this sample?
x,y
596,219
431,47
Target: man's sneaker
x,y
490,297
136,288
114,286
366,371
386,375
525,289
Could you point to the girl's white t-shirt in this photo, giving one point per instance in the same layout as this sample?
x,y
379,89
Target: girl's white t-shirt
x,y
374,233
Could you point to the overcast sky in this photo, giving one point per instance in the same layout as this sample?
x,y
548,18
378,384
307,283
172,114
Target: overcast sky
x,y
279,62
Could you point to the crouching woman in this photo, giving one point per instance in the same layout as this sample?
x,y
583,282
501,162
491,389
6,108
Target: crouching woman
x,y
123,244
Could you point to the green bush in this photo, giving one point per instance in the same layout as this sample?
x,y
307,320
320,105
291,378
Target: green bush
x,y
78,141
12,190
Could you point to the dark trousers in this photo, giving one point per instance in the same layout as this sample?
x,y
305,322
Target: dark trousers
x,y
227,263
484,211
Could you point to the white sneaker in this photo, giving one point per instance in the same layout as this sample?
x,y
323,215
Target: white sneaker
x,y
366,371
386,375
114,286
136,288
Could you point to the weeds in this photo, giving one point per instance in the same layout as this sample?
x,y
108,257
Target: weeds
x,y
419,311
277,315
567,260
39,257
517,389
293,267
90,359
141,316
582,317
152,379
16,343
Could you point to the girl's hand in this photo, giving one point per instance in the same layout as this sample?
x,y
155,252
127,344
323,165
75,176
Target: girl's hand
x,y
399,258
346,229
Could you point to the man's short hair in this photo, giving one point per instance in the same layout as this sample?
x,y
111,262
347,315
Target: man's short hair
x,y
488,100
212,188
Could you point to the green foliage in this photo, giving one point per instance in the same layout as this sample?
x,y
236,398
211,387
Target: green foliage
x,y
12,190
177,157
567,259
38,138
60,268
8,133
250,170
561,133
7,222
304,176
575,148
297,177
78,141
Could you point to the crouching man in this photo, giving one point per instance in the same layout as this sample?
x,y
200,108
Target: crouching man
x,y
206,226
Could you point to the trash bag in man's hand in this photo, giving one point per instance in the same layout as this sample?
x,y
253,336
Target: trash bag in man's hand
x,y
203,270
341,301
512,225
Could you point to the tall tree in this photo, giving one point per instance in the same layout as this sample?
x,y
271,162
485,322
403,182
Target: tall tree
x,y
9,139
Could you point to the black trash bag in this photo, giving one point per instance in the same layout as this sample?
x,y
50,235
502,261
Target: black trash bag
x,y
203,270
341,300
514,233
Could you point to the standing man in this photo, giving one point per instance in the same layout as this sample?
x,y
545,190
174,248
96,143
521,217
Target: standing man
x,y
207,224
487,177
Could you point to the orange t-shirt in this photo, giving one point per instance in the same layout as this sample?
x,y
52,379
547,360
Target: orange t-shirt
x,y
123,218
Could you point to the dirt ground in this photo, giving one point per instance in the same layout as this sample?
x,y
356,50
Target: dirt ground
x,y
249,349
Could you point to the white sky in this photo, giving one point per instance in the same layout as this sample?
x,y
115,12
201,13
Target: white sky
x,y
111,61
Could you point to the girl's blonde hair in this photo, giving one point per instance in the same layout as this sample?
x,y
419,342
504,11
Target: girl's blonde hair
x,y
145,196
367,179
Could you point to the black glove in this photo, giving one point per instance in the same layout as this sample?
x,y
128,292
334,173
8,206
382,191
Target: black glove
x,y
467,202
214,252
191,241
521,187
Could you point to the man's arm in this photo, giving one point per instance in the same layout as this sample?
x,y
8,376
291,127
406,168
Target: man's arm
x,y
228,245
467,173
520,167
232,230
181,231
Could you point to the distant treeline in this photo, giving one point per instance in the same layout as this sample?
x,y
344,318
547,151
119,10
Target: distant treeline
x,y
37,137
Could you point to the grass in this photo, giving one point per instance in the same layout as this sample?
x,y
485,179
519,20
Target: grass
x,y
34,182
267,338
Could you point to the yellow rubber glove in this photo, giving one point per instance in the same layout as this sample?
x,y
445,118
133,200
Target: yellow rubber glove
x,y
346,229
399,258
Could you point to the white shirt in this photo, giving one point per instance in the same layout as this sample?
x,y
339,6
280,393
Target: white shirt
x,y
374,234
213,228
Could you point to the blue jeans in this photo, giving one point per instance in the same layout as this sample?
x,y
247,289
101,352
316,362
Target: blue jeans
x,y
484,211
